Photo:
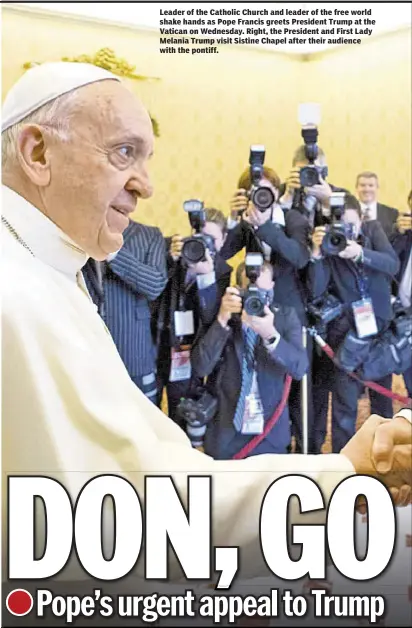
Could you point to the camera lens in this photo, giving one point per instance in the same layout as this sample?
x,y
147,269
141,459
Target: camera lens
x,y
309,177
194,250
263,198
254,306
196,434
335,239
334,242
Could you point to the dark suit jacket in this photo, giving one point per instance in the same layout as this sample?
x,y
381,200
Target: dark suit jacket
x,y
387,217
402,245
136,276
217,353
340,276
290,254
180,296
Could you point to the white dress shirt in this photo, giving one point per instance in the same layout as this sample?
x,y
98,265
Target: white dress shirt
x,y
372,211
71,411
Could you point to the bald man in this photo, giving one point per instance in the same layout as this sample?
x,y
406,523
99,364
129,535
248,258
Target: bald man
x,y
76,149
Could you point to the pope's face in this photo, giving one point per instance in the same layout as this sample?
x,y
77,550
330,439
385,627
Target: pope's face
x,y
100,172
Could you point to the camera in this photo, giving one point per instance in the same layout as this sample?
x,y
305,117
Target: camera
x,y
324,310
262,197
197,412
338,233
195,247
309,116
253,298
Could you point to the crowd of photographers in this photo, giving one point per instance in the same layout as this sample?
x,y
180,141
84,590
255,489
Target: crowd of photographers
x,y
250,357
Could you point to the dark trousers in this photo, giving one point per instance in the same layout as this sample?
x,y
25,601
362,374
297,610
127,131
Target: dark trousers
x,y
407,378
345,391
295,406
322,383
175,391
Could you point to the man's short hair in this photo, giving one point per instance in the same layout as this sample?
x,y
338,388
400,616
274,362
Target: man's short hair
x,y
352,203
367,174
242,268
300,155
245,181
410,199
216,216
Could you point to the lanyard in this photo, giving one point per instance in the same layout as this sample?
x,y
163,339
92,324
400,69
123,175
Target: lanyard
x,y
362,281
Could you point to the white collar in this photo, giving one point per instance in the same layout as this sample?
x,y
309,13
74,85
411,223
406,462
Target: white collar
x,y
372,206
45,239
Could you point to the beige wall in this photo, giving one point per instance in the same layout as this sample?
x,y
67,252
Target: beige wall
x,y
211,108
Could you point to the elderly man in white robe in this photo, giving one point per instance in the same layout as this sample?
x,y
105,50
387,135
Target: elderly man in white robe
x,y
76,145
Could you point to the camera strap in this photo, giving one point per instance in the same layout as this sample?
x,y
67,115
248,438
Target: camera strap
x,y
362,281
363,311
256,440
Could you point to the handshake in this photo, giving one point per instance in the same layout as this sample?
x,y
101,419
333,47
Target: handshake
x,y
382,448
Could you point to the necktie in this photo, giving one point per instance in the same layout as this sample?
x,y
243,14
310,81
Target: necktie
x,y
249,344
366,213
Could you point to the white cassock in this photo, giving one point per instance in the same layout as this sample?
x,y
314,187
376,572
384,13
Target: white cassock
x,y
71,412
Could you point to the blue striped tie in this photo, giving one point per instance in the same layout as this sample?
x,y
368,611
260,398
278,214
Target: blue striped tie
x,y
249,344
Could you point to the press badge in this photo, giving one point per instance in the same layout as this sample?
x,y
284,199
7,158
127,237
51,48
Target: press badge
x,y
184,323
253,421
180,368
365,320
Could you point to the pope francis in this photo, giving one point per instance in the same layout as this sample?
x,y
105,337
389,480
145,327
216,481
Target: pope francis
x,y
76,145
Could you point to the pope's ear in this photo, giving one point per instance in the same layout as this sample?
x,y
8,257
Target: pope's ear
x,y
33,154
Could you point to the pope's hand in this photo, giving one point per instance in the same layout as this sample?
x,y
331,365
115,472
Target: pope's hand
x,y
383,448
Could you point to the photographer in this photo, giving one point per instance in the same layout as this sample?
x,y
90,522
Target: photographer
x,y
192,295
311,200
283,237
359,274
401,241
246,360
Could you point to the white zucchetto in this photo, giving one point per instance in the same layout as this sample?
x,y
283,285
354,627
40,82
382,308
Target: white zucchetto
x,y
43,83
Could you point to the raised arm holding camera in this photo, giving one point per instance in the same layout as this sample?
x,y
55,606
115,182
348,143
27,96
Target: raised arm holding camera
x,y
354,263
306,188
246,354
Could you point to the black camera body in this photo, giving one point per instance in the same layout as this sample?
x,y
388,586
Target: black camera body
x,y
261,196
195,247
197,412
338,232
311,174
254,299
325,309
